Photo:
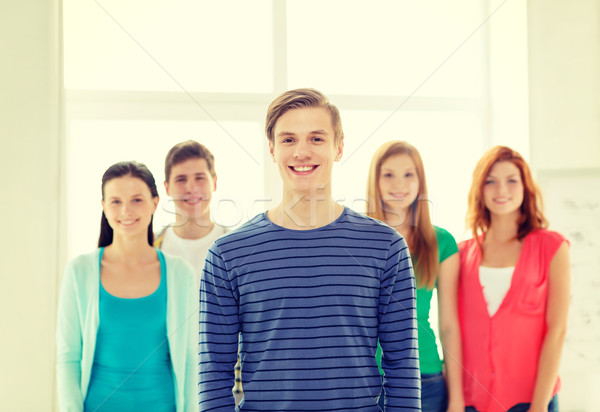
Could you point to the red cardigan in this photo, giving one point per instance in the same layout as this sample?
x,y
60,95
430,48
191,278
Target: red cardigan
x,y
501,353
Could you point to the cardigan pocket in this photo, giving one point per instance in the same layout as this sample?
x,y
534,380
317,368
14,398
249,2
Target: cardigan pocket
x,y
532,300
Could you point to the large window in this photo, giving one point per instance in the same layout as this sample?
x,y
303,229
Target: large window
x,y
180,45
141,76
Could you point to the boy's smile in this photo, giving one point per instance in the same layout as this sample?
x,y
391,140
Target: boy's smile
x,y
304,149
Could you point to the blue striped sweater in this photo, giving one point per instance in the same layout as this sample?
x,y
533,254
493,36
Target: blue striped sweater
x,y
308,307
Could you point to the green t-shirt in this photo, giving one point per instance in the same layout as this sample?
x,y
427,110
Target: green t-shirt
x,y
429,358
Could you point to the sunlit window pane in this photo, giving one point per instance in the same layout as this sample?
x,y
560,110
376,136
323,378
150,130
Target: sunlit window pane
x,y
168,46
386,47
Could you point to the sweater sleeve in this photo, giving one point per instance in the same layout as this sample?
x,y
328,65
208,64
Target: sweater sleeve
x,y
218,339
69,345
398,331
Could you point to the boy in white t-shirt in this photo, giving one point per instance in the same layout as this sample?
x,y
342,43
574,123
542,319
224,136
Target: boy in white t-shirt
x,y
190,179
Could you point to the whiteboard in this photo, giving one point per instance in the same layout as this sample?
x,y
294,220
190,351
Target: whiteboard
x,y
572,206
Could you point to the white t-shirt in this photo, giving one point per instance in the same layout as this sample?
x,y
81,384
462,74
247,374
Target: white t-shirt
x,y
192,250
495,283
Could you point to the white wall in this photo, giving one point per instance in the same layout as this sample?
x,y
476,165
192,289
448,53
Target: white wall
x,y
29,173
564,79
564,97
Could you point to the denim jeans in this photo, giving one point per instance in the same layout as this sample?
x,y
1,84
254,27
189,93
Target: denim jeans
x,y
434,397
523,407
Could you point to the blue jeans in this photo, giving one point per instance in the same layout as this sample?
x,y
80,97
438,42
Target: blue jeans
x,y
434,396
523,407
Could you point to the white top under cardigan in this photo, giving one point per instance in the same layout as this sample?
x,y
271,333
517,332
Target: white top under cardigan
x,y
77,326
495,283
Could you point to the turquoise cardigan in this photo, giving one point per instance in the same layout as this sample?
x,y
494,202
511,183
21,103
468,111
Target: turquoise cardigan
x,y
78,320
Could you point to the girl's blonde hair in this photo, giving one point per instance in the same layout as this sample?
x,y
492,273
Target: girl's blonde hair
x,y
422,241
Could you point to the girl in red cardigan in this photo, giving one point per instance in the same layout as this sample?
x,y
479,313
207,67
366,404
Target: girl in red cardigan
x,y
513,291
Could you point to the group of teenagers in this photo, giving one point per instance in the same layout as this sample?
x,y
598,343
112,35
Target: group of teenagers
x,y
321,308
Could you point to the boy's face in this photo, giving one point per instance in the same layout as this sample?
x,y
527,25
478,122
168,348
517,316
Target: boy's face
x,y
304,149
191,186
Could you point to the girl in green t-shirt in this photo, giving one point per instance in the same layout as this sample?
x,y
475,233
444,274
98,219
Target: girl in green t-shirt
x,y
397,195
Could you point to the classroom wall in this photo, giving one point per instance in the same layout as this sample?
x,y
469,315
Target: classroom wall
x,y
29,172
564,83
564,119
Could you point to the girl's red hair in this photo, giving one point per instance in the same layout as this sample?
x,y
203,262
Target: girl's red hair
x,y
478,216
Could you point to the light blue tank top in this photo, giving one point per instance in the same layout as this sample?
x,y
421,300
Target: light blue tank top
x,y
132,366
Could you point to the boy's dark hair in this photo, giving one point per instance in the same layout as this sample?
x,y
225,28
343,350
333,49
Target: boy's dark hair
x,y
190,149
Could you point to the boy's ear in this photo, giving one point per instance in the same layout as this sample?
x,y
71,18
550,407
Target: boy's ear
x,y
167,188
340,150
215,183
271,150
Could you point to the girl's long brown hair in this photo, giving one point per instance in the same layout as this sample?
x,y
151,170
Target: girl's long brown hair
x,y
422,241
478,216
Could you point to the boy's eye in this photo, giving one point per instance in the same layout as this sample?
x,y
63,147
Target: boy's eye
x,y
287,140
115,202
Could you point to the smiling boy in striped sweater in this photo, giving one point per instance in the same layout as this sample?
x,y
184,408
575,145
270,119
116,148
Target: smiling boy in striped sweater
x,y
308,287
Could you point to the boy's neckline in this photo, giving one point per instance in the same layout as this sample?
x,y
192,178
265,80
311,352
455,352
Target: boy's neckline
x,y
338,214
193,236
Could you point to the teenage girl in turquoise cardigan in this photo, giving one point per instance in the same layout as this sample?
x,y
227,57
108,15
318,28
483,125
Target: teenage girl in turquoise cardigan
x,y
127,319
